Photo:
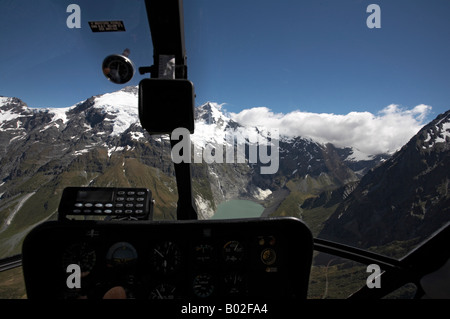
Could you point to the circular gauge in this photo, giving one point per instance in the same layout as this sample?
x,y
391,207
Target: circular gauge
x,y
80,254
268,256
121,254
163,291
203,285
234,284
118,68
166,257
203,253
233,252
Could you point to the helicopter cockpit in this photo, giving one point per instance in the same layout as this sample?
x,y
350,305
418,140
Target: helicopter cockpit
x,y
106,244
162,260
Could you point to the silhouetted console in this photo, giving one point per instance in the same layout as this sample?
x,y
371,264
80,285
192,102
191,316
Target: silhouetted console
x,y
267,257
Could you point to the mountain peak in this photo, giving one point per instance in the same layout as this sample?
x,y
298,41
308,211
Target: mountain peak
x,y
131,89
11,103
211,113
11,109
436,133
120,107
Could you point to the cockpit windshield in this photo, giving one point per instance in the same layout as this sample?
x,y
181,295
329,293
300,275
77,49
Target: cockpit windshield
x,y
333,112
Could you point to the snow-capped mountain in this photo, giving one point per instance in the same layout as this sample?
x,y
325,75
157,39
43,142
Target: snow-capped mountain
x,y
109,114
115,114
100,142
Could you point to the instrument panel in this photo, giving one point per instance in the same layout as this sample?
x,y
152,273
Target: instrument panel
x,y
269,258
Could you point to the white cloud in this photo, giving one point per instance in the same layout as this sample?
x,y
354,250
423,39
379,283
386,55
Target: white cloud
x,y
387,131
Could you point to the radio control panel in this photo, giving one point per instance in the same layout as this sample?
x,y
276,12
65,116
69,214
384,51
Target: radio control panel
x,y
117,203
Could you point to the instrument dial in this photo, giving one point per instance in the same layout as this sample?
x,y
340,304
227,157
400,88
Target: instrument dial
x,y
233,252
203,285
166,257
268,256
121,254
163,291
204,253
234,284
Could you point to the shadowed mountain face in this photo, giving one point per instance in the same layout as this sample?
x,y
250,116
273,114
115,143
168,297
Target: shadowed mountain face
x,y
406,197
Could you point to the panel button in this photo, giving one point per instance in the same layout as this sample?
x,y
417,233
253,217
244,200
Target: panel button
x,y
78,204
99,205
88,205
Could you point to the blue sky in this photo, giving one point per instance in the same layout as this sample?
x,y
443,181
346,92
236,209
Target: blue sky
x,y
314,56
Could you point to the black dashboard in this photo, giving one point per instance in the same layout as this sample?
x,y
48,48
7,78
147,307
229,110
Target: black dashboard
x,y
242,258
